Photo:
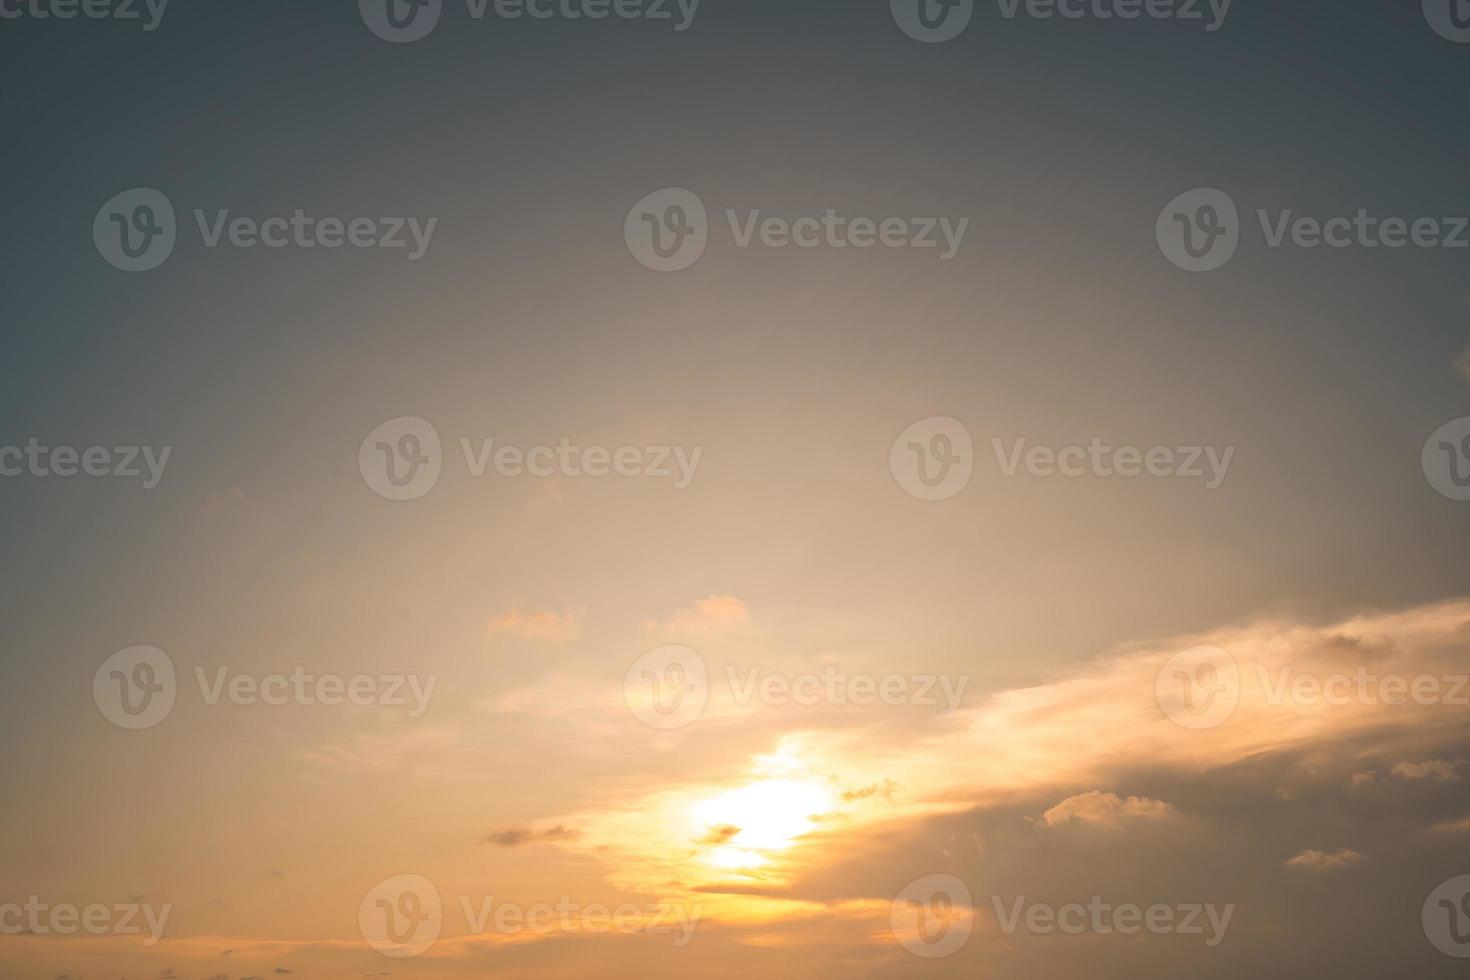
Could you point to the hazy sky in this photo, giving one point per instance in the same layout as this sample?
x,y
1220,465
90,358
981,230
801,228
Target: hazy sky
x,y
645,689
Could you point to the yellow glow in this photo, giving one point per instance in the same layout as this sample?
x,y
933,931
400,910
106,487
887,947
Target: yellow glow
x,y
757,820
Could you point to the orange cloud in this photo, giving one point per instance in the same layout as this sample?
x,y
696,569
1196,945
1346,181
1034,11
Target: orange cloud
x,y
549,626
1322,861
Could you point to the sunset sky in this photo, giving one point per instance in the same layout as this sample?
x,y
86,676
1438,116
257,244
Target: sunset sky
x,y
1049,644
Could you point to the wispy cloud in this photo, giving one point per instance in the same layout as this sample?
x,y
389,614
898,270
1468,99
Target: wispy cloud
x,y
1320,861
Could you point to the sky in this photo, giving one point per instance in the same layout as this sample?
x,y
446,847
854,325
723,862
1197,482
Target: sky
x,y
811,489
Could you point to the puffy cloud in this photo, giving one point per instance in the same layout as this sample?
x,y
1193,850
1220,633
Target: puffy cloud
x,y
548,626
1439,770
1106,810
712,613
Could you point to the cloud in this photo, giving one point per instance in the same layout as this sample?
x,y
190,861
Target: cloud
x,y
1106,810
720,834
1462,361
1097,724
1322,861
516,836
1362,778
884,791
712,613
1439,770
547,626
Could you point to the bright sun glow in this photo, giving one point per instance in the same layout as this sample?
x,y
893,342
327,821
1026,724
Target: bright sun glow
x,y
742,827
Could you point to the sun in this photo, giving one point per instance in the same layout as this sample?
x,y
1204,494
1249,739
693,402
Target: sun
x,y
744,827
